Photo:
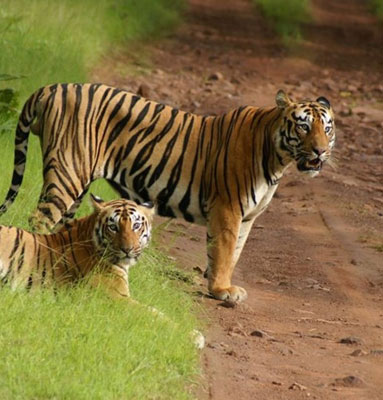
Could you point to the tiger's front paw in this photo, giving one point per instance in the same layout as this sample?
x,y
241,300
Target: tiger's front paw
x,y
232,293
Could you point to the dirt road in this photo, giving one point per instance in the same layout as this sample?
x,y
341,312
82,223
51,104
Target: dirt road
x,y
313,264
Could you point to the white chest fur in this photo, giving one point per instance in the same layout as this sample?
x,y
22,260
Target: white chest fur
x,y
264,193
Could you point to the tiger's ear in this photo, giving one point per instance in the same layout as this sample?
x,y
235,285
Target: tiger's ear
x,y
148,209
322,100
282,99
97,202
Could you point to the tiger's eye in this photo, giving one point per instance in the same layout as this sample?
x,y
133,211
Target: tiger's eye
x,y
303,128
113,228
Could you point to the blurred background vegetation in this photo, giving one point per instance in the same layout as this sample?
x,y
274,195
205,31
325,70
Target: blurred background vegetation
x,y
285,16
377,7
44,41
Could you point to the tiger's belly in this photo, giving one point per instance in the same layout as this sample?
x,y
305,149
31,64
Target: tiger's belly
x,y
179,202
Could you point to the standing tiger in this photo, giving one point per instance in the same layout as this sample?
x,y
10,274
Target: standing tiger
x,y
108,242
219,171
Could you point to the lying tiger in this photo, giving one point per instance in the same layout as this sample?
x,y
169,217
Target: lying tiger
x,y
109,241
219,171
101,246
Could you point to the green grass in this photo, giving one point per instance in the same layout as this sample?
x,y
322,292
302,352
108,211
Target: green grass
x,y
286,16
60,41
79,344
377,7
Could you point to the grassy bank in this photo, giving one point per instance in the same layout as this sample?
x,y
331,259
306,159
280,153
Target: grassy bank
x,y
79,344
285,16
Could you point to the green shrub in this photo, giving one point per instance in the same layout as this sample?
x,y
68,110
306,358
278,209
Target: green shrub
x,y
377,7
286,16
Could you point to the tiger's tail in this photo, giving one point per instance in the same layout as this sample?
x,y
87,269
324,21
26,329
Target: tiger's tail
x,y
26,118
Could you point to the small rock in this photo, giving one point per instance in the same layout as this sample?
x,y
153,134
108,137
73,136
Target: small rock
x,y
231,353
228,304
143,90
258,333
351,340
262,334
237,331
358,353
297,386
276,383
348,381
263,281
215,76
196,104
317,286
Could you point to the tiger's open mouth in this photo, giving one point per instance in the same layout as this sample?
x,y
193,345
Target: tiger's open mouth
x,y
309,165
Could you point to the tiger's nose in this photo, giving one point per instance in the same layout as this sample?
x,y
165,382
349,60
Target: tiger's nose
x,y
318,151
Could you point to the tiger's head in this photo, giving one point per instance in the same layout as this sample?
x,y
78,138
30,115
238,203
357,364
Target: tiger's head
x,y
307,133
122,229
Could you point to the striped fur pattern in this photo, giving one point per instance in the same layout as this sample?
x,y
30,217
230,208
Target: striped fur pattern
x,y
219,171
109,240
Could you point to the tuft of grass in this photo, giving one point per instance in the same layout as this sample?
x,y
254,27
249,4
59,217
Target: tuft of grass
x,y
378,247
377,8
286,16
79,344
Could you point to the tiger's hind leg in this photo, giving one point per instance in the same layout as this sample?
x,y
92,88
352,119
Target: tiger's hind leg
x,y
68,217
58,195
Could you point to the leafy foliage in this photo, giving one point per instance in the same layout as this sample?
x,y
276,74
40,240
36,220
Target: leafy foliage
x,y
286,16
377,7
